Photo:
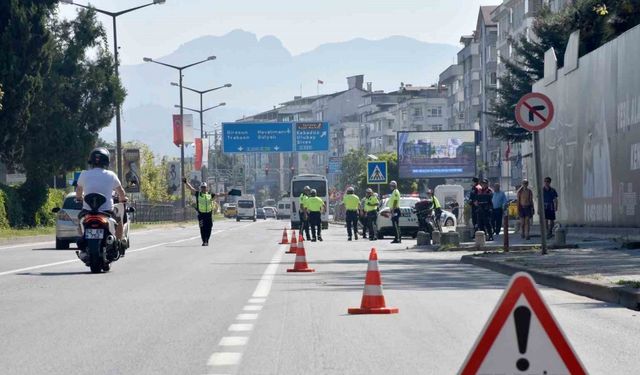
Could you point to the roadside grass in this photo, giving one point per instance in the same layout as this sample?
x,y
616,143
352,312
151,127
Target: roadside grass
x,y
26,232
630,283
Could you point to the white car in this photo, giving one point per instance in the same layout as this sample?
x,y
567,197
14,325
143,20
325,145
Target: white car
x,y
408,218
67,222
270,212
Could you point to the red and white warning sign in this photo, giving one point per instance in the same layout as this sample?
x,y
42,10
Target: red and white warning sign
x,y
522,337
534,111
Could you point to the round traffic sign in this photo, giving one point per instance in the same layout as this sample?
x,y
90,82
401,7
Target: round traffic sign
x,y
534,111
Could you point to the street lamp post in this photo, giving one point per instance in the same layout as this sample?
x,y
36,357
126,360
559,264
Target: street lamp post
x,y
201,111
180,69
113,16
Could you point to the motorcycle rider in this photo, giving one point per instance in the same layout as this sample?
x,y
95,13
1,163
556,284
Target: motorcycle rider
x,y
98,179
371,204
304,212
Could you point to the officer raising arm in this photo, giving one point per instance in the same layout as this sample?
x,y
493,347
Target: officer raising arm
x,y
204,206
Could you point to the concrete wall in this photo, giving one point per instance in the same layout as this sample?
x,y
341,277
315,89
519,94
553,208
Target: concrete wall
x,y
592,148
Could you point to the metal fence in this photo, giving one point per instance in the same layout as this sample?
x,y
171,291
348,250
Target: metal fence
x,y
157,212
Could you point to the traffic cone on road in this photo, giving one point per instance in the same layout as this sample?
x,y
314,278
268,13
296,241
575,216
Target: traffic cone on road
x,y
300,237
301,261
293,248
372,297
285,240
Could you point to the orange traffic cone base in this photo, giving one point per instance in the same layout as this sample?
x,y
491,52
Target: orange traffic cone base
x,y
383,310
291,251
301,270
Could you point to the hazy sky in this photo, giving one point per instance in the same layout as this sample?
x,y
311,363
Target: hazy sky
x,y
301,25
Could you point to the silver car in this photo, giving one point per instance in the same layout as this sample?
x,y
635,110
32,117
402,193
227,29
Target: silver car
x,y
67,230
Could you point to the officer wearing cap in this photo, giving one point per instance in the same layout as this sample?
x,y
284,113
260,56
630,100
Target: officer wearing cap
x,y
371,204
351,205
394,204
303,212
315,206
204,206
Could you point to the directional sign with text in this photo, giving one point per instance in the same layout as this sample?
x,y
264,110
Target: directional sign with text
x,y
522,337
312,136
335,164
534,111
377,172
239,137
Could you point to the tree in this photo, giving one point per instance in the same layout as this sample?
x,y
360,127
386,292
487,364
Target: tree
x,y
552,30
354,169
76,101
153,182
24,60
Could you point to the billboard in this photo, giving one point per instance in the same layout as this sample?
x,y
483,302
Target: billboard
x,y
435,154
131,170
173,177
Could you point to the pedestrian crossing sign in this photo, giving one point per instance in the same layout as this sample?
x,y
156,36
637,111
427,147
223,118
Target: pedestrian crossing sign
x,y
377,172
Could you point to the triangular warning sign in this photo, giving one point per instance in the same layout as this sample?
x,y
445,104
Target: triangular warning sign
x,y
522,337
377,175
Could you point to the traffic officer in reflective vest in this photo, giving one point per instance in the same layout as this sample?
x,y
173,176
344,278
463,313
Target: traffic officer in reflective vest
x,y
204,206
315,206
394,204
303,212
371,204
351,205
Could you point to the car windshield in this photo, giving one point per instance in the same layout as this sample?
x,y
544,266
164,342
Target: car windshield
x,y
245,204
319,185
71,204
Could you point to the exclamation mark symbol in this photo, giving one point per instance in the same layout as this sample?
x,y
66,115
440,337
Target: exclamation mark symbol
x,y
522,317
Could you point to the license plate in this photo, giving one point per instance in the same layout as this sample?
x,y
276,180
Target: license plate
x,y
93,234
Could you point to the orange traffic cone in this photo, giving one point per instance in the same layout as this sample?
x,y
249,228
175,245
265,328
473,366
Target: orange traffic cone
x,y
301,261
293,248
285,240
372,298
300,237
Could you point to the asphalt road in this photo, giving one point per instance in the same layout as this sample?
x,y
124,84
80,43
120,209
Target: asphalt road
x,y
174,307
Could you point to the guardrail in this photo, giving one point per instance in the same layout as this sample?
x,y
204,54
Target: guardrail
x,y
158,212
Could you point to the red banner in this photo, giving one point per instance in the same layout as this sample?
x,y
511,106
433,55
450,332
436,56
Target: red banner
x,y
197,163
177,130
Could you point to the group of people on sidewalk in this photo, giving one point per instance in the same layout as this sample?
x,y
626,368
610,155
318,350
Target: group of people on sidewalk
x,y
489,206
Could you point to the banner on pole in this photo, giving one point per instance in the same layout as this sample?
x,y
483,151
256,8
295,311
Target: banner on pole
x,y
173,177
131,170
205,152
187,129
177,130
197,162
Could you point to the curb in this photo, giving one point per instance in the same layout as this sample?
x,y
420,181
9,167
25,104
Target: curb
x,y
621,295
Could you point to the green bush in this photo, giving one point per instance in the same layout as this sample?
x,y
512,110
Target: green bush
x,y
4,220
12,206
44,216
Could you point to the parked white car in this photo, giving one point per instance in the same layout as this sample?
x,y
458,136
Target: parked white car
x,y
408,218
67,222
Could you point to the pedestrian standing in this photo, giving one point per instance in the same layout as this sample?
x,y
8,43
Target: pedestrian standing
x,y
394,204
473,202
371,211
525,208
499,204
204,206
550,198
485,205
303,212
315,206
351,205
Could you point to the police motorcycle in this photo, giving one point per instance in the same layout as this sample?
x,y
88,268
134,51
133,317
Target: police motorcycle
x,y
98,234
426,216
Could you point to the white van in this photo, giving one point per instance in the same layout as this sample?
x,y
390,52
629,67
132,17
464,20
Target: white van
x,y
284,208
314,181
246,205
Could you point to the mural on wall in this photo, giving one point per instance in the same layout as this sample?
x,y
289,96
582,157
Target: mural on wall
x,y
592,148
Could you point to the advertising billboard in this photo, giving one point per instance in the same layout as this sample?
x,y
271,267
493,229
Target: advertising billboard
x,y
131,170
435,154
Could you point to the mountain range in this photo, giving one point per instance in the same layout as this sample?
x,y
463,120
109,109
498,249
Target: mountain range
x,y
263,74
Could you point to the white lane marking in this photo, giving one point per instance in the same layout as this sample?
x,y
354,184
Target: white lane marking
x,y
241,327
77,260
252,308
247,317
224,359
25,245
233,341
260,295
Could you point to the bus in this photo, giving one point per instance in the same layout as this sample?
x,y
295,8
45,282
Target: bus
x,y
314,181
